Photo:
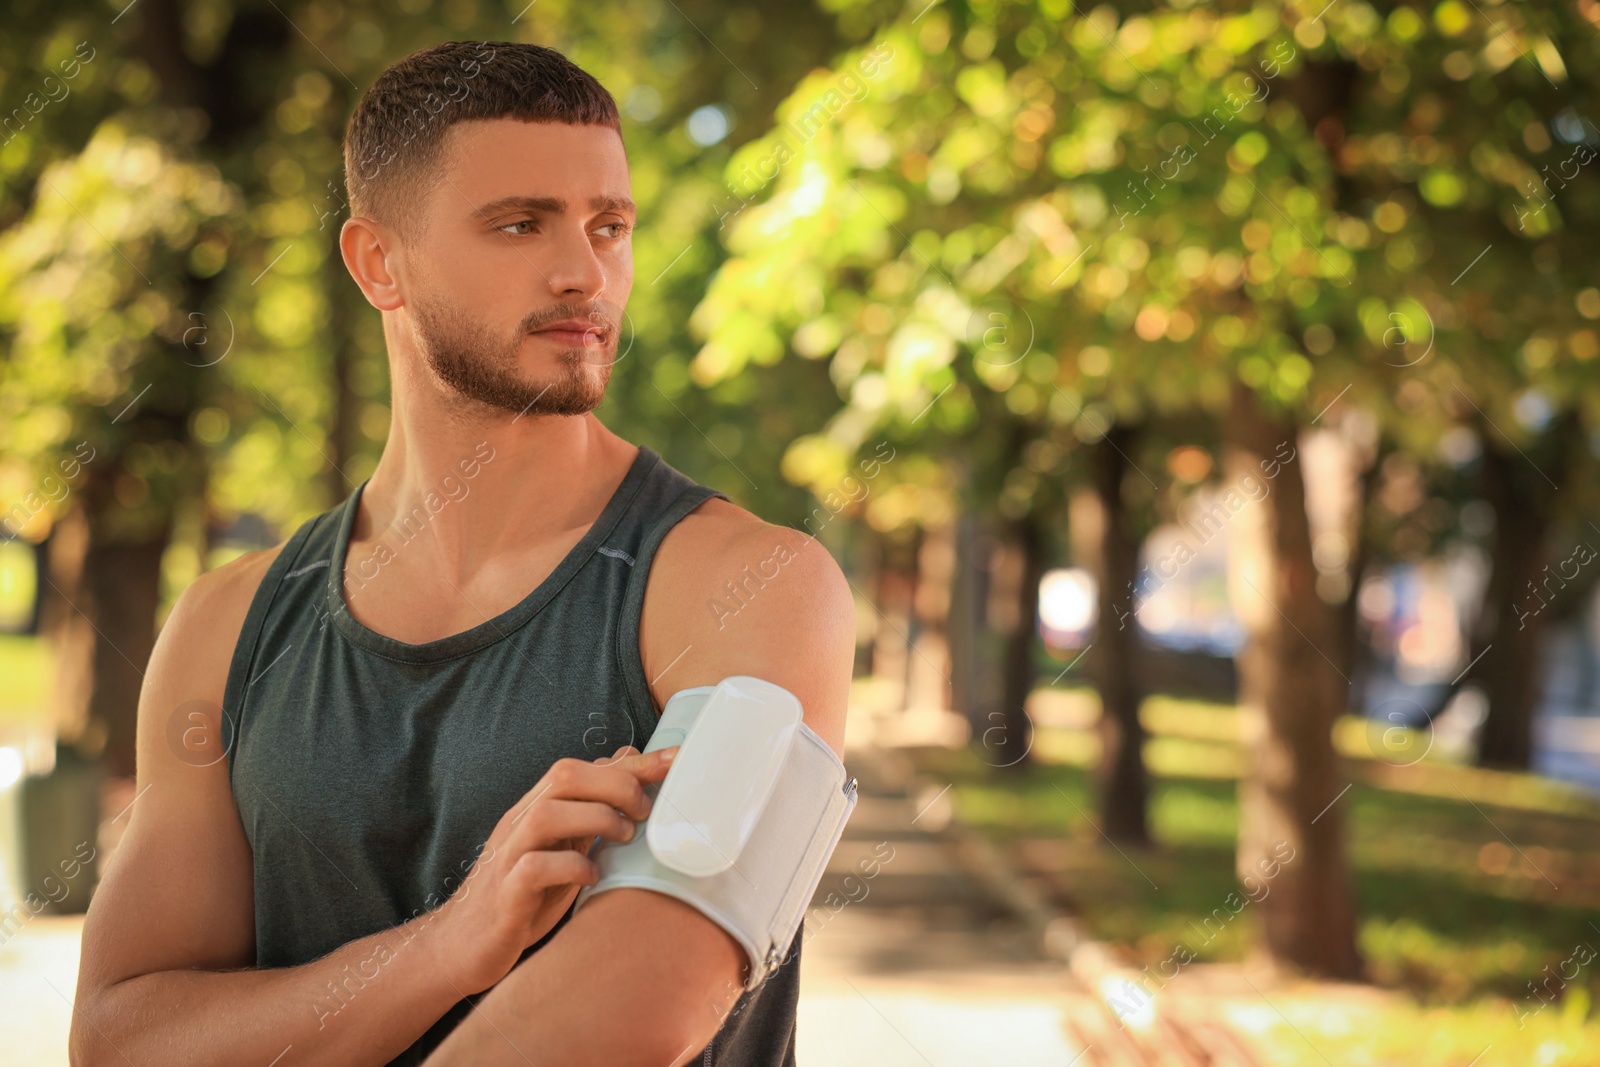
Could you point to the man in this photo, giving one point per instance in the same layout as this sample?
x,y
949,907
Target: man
x,y
452,673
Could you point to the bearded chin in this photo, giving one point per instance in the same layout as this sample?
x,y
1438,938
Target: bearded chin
x,y
483,369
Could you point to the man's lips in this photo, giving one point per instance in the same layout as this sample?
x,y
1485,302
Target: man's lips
x,y
573,332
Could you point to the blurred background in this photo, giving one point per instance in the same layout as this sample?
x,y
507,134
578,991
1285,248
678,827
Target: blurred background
x,y
1202,400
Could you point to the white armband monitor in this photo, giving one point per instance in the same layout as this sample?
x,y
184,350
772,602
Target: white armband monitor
x,y
743,824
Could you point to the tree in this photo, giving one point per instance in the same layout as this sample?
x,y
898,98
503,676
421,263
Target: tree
x,y
1457,138
91,389
1291,692
1124,785
929,208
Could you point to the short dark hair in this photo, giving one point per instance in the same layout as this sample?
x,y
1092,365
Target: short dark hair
x,y
398,128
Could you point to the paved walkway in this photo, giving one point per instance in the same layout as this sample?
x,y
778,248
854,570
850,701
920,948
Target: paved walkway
x,y
922,967
942,961
38,972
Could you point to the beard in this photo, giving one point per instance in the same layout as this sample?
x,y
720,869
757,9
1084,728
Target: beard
x,y
483,367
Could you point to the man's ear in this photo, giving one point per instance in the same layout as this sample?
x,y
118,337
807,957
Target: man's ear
x,y
371,252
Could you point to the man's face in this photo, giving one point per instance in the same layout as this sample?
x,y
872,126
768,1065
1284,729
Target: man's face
x,y
520,272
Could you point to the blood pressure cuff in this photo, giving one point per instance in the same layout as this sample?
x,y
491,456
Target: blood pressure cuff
x,y
743,824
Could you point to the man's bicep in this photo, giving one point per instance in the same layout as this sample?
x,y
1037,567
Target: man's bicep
x,y
179,893
789,618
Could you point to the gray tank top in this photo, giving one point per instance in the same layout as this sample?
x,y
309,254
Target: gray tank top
x,y
368,773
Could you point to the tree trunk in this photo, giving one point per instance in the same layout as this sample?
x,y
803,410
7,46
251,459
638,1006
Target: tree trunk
x,y
1290,819
344,419
969,675
41,571
891,595
928,685
1512,618
1007,739
1122,780
101,616
1352,656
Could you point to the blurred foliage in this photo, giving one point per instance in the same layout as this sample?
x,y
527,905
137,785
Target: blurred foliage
x,y
85,313
1043,219
982,232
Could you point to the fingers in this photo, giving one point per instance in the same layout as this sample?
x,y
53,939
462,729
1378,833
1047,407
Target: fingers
x,y
649,767
553,825
540,870
580,779
618,781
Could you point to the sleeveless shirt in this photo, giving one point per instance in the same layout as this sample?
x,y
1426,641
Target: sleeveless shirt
x,y
368,773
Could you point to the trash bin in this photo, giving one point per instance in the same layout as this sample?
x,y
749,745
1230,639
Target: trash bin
x,y
59,820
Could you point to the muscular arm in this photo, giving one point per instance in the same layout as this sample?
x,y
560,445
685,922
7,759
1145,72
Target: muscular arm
x,y
636,978
168,964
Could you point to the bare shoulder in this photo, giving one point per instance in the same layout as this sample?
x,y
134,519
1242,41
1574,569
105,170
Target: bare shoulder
x,y
729,572
229,588
213,608
194,649
730,593
704,547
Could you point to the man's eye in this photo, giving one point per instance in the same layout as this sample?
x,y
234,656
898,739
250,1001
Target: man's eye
x,y
620,227
521,229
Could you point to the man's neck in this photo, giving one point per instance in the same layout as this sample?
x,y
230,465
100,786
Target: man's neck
x,y
490,483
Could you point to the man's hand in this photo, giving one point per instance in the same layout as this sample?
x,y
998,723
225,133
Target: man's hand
x,y
536,860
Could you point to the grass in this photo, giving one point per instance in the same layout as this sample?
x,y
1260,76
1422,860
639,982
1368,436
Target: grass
x,y
1469,884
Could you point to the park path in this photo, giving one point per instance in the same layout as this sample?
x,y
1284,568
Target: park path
x,y
921,965
941,959
38,972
